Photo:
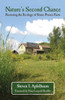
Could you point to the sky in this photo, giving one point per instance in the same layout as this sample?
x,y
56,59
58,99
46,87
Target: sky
x,y
30,28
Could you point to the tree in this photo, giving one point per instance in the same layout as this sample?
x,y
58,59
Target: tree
x,y
62,42
54,38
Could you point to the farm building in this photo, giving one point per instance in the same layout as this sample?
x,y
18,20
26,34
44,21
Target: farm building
x,y
32,48
46,48
29,48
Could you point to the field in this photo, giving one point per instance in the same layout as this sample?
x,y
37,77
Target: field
x,y
45,71
31,70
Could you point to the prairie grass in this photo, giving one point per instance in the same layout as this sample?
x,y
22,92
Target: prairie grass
x,y
30,69
45,71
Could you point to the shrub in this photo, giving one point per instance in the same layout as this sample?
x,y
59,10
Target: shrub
x,y
38,57
48,56
7,70
26,56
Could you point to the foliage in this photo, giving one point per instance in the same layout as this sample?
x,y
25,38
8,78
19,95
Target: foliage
x,y
25,56
44,43
62,42
18,68
45,71
54,38
8,72
57,40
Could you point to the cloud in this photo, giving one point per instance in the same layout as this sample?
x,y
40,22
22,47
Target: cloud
x,y
39,41
43,27
15,30
12,44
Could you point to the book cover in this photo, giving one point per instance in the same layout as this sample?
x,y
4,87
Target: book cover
x,y
32,50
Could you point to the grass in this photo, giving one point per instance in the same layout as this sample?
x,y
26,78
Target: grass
x,y
45,71
31,69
